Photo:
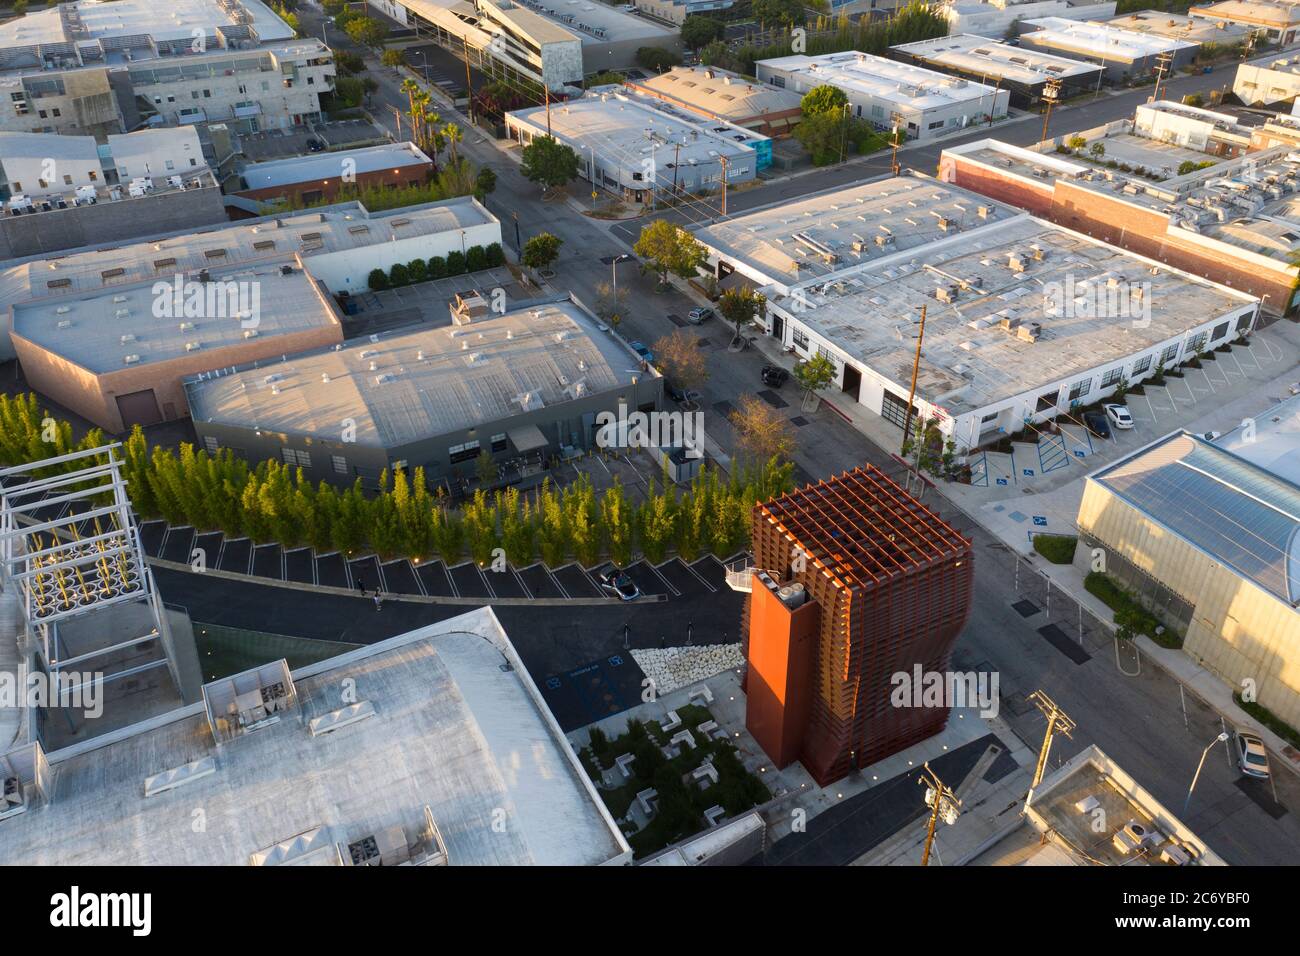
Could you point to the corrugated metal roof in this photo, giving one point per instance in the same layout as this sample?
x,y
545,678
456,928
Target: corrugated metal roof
x,y
1238,513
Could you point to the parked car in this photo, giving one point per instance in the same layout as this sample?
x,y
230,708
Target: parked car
x,y
699,316
314,145
1252,758
682,396
1097,424
1118,415
640,349
774,376
620,584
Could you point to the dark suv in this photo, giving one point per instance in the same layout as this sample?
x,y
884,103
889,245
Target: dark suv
x,y
774,376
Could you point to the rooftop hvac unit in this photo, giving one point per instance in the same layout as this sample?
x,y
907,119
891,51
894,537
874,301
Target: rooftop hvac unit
x,y
127,339
250,333
946,293
130,359
1009,323
984,211
192,346
1016,262
65,323
1134,836
1028,331
884,240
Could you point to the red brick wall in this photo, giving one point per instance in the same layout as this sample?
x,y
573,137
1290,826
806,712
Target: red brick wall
x,y
1035,198
416,175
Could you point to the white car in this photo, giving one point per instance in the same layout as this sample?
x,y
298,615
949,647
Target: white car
x,y
1252,758
1119,416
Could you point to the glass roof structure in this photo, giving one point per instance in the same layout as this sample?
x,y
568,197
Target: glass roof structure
x,y
1241,515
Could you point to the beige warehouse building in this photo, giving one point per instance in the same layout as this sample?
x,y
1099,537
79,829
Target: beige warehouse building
x,y
1211,542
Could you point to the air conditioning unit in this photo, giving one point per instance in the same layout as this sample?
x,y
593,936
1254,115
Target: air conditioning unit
x,y
946,293
1016,262
1134,836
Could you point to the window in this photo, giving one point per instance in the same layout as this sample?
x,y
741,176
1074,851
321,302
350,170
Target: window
x,y
778,82
294,457
800,339
67,180
170,164
1141,365
56,112
194,94
825,353
1243,322
193,161
1112,377
498,442
1219,332
207,94
1169,355
1080,389
210,444
340,464
936,125
466,452
1196,343
41,114
94,176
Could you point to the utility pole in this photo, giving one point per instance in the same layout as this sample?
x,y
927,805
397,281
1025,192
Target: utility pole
x,y
911,395
547,94
942,803
677,152
398,113
724,184
1057,722
844,133
469,81
1162,64
1050,93
898,125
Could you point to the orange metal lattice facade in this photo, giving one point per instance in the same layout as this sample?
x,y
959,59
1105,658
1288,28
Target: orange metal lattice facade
x,y
892,582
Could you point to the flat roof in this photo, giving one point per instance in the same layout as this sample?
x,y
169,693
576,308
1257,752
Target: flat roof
x,y
113,19
426,382
1277,64
458,727
1273,441
1099,39
590,21
882,78
1066,806
1240,514
870,312
628,127
277,238
1179,27
913,210
1250,11
299,169
718,91
976,54
1159,158
98,332
78,149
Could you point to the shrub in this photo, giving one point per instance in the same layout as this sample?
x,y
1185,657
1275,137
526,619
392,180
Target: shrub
x,y
1059,549
378,280
399,275
437,267
418,270
496,256
455,263
476,259
1269,719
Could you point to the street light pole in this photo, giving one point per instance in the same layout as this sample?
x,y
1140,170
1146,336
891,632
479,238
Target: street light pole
x,y
1222,738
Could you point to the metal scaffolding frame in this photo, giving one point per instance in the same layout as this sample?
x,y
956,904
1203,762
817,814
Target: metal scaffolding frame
x,y
83,561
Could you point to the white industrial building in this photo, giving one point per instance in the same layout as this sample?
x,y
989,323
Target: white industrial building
x,y
431,748
1275,22
994,18
1192,127
555,42
1025,73
638,146
1026,319
1273,82
1123,54
110,67
926,103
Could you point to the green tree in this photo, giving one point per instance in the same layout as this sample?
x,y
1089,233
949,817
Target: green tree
x,y
604,78
657,58
824,99
548,162
378,280
665,247
541,250
741,305
393,58
699,31
484,183
815,373
617,517
366,31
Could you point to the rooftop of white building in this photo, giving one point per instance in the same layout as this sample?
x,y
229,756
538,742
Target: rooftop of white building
x,y
875,76
718,91
1250,11
626,127
1180,27
298,169
456,738
976,54
1099,39
87,21
591,21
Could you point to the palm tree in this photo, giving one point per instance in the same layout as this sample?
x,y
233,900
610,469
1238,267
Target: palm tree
x,y
454,135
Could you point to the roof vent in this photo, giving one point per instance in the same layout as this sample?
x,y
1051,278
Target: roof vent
x,y
128,338
338,719
250,333
187,326
131,359
65,323
325,377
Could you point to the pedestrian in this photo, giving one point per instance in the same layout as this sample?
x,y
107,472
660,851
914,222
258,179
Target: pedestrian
x,y
379,601
361,585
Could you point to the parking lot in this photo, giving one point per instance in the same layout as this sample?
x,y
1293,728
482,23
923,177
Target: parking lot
x,y
1037,485
428,302
283,143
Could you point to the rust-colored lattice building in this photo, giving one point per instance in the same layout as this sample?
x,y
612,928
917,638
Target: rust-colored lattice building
x,y
854,580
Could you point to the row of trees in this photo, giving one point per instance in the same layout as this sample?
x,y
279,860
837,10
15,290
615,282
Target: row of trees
x,y
827,129
274,502
456,263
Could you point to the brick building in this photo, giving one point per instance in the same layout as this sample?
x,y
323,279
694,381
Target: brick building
x,y
854,581
306,180
1236,223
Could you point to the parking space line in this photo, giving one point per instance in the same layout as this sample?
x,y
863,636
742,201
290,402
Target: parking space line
x,y
486,583
1206,375
556,581
668,584
522,586
1150,407
697,574
419,581
1233,356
